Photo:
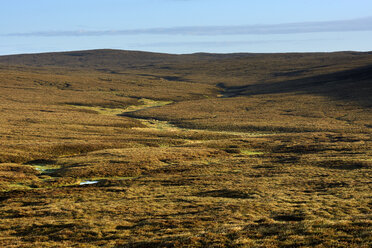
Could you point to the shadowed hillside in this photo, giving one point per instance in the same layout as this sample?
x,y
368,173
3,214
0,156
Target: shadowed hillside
x,y
344,75
347,85
325,73
238,67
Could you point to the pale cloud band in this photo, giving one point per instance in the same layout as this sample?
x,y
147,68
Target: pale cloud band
x,y
362,24
218,43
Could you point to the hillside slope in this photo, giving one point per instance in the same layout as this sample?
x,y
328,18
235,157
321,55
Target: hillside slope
x,y
231,69
130,149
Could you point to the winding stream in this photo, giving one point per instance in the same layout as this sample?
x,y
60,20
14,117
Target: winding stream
x,y
154,124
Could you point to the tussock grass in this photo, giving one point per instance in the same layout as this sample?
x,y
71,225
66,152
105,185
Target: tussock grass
x,y
242,150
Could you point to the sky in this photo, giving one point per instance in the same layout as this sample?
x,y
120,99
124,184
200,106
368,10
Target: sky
x,y
185,26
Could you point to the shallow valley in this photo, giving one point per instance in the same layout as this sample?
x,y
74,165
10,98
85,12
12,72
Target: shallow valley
x,y
113,148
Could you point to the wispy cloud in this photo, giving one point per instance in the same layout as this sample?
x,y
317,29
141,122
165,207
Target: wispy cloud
x,y
219,43
362,24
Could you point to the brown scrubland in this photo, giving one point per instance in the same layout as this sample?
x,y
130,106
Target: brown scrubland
x,y
109,148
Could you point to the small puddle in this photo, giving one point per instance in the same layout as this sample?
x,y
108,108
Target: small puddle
x,y
88,182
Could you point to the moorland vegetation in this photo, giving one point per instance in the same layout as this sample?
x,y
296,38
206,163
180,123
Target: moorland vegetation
x,y
199,150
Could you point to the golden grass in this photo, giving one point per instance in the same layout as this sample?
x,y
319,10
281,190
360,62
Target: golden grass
x,y
183,167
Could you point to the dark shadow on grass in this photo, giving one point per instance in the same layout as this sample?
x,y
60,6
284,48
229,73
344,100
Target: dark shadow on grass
x,y
344,165
225,193
41,162
288,217
350,85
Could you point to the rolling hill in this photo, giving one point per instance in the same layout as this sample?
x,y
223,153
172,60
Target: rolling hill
x,y
110,148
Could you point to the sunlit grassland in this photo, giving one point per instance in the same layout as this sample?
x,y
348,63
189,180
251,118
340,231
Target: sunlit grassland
x,y
143,103
181,160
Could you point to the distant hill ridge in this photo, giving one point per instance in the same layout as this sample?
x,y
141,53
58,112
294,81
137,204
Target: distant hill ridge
x,y
114,59
342,75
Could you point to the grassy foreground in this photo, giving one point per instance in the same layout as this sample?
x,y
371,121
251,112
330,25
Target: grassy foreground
x,y
185,151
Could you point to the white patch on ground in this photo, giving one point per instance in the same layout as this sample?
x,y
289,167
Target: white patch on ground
x,y
88,182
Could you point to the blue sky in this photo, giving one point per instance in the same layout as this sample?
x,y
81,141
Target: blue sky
x,y
185,26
